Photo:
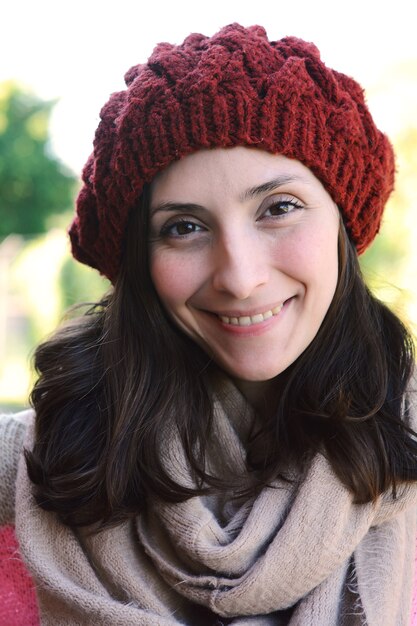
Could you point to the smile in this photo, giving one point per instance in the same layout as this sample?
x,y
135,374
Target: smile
x,y
251,320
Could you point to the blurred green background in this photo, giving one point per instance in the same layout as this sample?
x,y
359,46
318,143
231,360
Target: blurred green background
x,y
39,280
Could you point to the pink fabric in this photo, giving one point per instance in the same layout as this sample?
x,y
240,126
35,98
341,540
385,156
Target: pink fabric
x,y
18,605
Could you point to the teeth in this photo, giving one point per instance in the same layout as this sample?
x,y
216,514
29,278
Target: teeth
x,y
250,320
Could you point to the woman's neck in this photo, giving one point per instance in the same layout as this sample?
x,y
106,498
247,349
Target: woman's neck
x,y
255,392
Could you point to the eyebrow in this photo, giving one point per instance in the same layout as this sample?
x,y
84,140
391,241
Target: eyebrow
x,y
252,192
270,185
178,206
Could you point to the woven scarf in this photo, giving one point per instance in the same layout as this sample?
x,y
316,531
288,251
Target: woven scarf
x,y
301,553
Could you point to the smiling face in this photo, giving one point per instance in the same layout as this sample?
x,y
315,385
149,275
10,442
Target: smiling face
x,y
244,256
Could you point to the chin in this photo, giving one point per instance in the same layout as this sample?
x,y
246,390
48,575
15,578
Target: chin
x,y
254,375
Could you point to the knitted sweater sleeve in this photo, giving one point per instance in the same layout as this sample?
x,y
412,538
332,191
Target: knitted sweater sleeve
x,y
12,432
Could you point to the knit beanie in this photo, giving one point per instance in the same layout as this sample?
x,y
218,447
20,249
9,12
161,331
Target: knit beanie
x,y
236,88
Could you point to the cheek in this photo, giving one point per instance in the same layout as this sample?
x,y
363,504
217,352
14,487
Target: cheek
x,y
311,257
323,260
163,278
172,278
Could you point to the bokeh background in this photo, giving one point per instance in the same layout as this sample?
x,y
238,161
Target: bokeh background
x,y
59,61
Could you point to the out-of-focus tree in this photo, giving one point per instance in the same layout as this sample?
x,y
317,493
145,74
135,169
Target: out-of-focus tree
x,y
391,262
33,183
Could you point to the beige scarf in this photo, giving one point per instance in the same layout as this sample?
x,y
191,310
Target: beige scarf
x,y
300,554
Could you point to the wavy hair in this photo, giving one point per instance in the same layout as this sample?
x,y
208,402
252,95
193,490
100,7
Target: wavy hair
x,y
111,380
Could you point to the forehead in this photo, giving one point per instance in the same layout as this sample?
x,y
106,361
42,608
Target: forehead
x,y
225,170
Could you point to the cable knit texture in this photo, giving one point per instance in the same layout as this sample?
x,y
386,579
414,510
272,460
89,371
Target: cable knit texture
x,y
301,553
235,88
18,606
12,434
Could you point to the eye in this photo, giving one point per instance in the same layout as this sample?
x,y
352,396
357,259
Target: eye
x,y
282,207
180,228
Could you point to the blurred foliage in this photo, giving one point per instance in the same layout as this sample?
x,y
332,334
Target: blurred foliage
x,y
33,183
390,264
39,292
80,284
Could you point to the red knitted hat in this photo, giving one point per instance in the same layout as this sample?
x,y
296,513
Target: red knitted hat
x,y
235,88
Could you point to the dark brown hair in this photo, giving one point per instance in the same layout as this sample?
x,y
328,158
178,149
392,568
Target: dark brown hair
x,y
111,382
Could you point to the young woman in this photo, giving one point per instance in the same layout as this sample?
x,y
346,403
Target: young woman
x,y
227,438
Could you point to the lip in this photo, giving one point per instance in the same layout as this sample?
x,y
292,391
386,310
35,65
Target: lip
x,y
249,312
252,330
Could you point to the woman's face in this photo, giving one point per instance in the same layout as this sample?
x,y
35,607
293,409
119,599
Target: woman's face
x,y
244,256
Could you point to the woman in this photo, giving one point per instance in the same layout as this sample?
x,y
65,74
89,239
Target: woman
x,y
228,436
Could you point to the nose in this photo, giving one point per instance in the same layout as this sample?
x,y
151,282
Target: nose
x,y
240,266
